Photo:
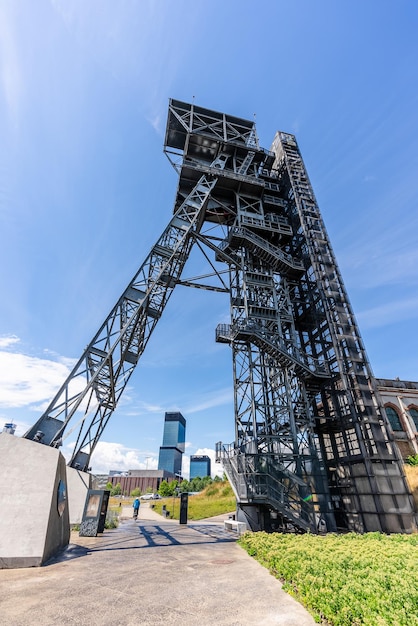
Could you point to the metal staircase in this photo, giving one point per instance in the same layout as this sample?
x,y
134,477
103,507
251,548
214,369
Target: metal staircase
x,y
262,481
286,354
280,261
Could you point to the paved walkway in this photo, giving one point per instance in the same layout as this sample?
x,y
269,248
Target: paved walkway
x,y
149,572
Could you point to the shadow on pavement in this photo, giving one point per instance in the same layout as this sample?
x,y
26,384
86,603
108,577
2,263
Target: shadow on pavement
x,y
137,536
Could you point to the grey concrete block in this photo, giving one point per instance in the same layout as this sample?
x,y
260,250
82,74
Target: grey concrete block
x,y
34,520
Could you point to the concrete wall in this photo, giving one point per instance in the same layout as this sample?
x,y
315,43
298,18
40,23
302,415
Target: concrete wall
x,y
32,529
78,485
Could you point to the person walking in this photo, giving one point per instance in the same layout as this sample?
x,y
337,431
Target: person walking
x,y
136,504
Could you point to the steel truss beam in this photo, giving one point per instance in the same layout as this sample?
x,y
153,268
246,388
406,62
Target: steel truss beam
x,y
90,394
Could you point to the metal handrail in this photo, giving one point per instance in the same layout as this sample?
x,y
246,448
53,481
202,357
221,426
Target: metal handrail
x,y
305,360
274,250
267,487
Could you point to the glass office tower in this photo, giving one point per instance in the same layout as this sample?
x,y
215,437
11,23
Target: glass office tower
x,y
199,466
174,436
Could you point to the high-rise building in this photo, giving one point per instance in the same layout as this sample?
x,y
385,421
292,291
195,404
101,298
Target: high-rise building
x,y
174,437
199,466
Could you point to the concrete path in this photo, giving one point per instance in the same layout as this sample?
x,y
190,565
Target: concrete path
x,y
148,572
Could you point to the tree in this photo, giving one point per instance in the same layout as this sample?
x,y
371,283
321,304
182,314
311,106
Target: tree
x,y
109,486
116,490
164,489
173,487
136,492
196,484
184,486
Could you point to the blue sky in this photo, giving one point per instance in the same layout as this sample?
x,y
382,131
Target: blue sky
x,y
85,189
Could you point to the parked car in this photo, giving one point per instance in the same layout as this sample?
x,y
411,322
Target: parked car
x,y
150,496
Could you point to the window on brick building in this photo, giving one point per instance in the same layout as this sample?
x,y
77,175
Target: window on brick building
x,y
413,412
393,418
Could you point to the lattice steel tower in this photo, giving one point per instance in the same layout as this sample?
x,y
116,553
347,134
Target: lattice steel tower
x,y
312,449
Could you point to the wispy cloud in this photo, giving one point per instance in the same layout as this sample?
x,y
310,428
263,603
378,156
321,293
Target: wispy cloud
x,y
157,122
219,397
134,46
143,408
387,258
10,73
369,178
390,313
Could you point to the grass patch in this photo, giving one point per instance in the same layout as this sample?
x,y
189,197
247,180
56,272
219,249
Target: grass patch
x,y
411,472
347,580
216,499
117,502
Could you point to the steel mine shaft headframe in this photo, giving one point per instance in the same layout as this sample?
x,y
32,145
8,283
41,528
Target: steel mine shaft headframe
x,y
312,449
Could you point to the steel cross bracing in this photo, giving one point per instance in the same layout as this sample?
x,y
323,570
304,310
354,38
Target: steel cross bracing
x,y
311,447
88,397
90,394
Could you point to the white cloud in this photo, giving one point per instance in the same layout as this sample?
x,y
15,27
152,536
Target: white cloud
x,y
8,340
26,379
68,362
115,456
